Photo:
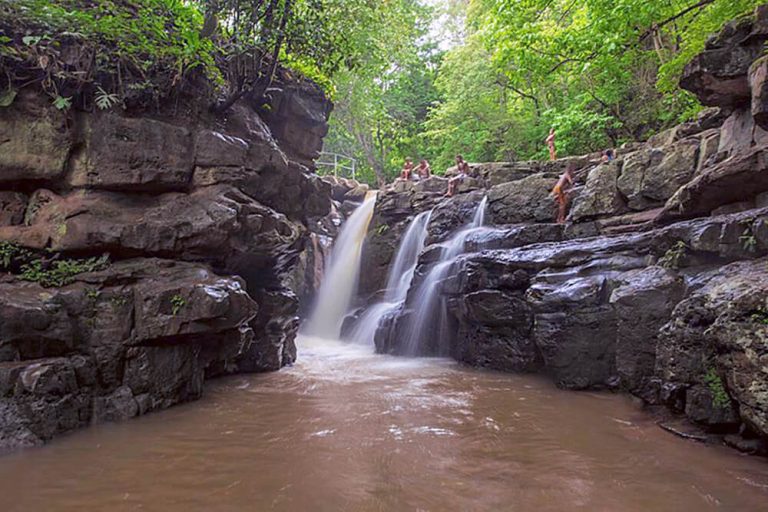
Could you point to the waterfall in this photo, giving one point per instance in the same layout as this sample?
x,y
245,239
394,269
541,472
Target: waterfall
x,y
399,281
429,313
335,294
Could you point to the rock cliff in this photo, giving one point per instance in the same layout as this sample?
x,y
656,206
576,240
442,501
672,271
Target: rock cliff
x,y
143,252
656,285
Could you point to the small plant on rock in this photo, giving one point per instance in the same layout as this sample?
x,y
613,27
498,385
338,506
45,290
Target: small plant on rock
x,y
748,240
60,272
177,302
11,255
381,229
713,381
673,258
760,316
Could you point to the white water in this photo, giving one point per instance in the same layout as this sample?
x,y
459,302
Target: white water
x,y
335,294
400,277
429,311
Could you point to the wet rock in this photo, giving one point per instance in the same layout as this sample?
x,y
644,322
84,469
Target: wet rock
x,y
643,303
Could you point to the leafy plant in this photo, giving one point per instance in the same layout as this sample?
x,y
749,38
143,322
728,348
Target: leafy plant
x,y
62,103
713,381
60,273
177,302
105,100
673,258
760,316
381,229
11,254
7,97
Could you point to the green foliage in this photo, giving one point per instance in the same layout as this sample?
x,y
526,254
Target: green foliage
x,y
381,229
60,272
12,255
177,302
62,103
720,396
113,44
760,316
673,258
105,100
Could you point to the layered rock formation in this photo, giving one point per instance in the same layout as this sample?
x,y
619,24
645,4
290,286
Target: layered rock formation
x,y
209,227
658,283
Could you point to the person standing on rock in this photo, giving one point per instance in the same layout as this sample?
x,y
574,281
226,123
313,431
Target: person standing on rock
x,y
463,173
551,145
560,193
407,171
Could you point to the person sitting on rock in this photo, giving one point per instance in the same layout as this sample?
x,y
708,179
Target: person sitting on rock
x,y
551,145
560,193
407,171
463,173
423,171
608,156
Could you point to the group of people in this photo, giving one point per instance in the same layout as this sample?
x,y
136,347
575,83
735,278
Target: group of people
x,y
423,172
420,172
560,193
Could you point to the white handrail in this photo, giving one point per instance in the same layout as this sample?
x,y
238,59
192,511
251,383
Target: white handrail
x,y
338,163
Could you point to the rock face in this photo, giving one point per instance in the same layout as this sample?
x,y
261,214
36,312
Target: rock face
x,y
208,224
656,285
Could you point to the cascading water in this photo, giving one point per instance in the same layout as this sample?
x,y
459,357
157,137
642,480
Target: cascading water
x,y
429,310
400,277
335,294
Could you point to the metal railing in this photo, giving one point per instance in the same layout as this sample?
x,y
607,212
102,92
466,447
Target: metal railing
x,y
338,164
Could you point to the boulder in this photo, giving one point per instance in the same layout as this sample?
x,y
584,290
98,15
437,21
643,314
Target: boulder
x,y
137,336
740,177
526,200
718,76
600,197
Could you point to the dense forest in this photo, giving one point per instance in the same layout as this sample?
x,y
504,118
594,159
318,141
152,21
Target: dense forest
x,y
409,78
600,72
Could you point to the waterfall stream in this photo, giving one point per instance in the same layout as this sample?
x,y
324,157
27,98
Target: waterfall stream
x,y
335,294
429,310
399,281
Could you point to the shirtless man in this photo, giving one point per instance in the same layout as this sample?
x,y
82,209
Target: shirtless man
x,y
560,193
463,168
407,171
551,145
423,171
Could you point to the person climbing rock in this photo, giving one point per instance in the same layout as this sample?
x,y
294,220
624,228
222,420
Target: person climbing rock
x,y
560,194
423,171
407,170
551,145
463,173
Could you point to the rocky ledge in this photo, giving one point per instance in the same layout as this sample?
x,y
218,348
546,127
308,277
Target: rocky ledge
x,y
658,283
143,252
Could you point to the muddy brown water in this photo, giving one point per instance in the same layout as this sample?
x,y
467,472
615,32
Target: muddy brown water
x,y
345,430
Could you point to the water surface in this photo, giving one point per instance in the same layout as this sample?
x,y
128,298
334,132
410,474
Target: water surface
x,y
345,430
